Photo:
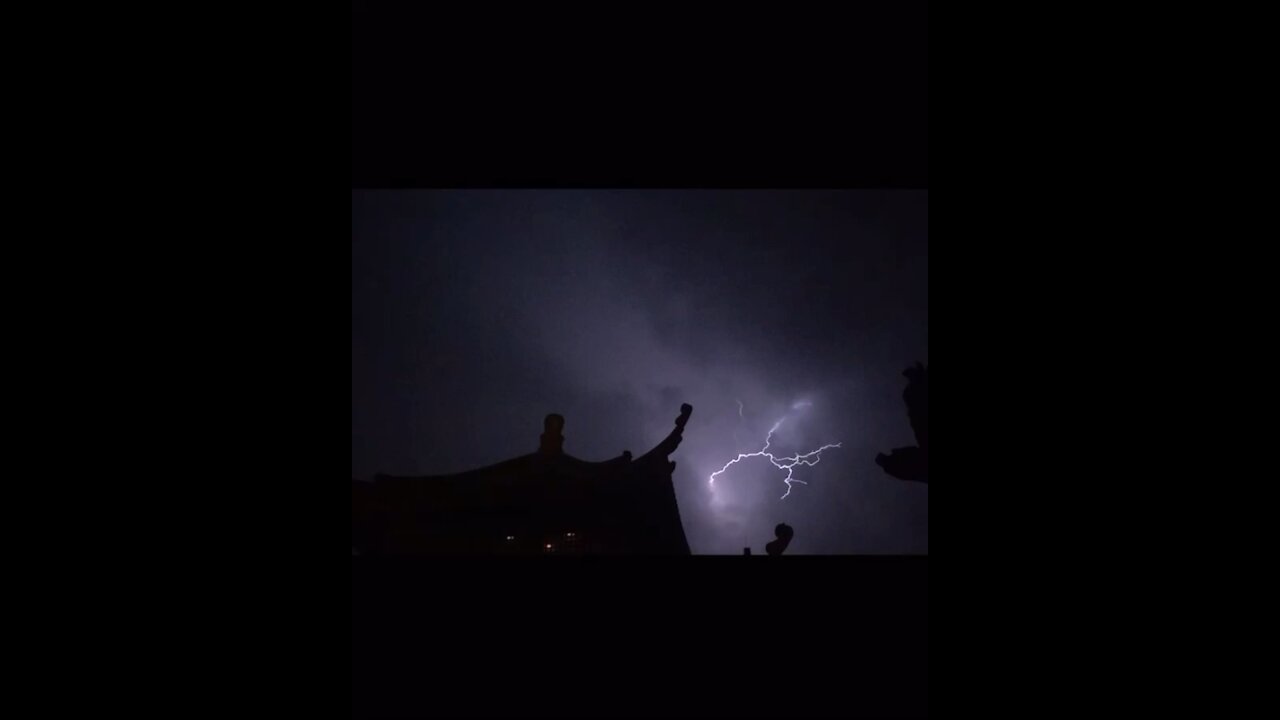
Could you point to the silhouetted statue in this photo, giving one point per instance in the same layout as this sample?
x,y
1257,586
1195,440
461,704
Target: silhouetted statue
x,y
552,439
912,463
906,463
916,396
784,533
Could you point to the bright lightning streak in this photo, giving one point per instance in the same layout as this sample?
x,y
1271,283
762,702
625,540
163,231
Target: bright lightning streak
x,y
785,463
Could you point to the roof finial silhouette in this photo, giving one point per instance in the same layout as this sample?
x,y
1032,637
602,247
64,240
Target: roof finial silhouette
x,y
784,533
552,438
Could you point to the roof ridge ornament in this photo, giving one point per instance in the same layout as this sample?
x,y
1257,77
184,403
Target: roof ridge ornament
x,y
552,440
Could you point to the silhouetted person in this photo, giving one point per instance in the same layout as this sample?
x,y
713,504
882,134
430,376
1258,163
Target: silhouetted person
x,y
912,463
784,534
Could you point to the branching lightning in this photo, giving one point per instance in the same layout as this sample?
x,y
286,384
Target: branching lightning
x,y
783,463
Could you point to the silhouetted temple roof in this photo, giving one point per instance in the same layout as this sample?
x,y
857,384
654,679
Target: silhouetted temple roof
x,y
544,502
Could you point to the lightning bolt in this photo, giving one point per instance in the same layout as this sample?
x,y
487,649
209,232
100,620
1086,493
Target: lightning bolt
x,y
784,463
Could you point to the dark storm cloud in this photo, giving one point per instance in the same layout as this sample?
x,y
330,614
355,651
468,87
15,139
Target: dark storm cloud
x,y
476,313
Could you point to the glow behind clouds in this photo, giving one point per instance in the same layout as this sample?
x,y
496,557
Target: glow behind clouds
x,y
476,313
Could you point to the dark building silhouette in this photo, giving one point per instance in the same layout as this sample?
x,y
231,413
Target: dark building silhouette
x,y
546,502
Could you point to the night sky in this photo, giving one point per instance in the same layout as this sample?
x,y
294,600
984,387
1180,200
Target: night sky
x,y
476,313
